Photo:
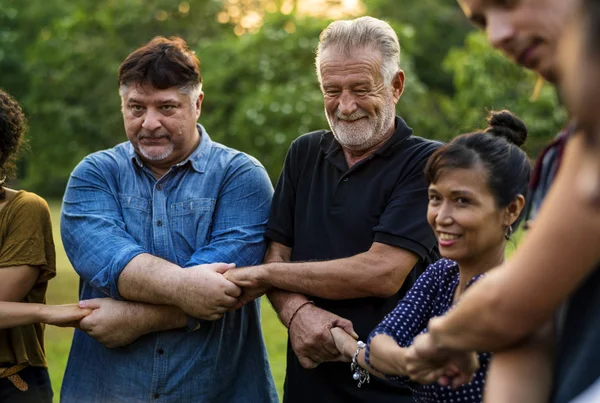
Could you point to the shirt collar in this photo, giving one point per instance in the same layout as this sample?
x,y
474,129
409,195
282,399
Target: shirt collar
x,y
198,159
330,145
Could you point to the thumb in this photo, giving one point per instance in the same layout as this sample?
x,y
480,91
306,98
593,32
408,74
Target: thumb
x,y
221,268
348,327
90,303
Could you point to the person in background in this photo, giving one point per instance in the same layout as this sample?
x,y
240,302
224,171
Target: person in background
x,y
477,185
27,263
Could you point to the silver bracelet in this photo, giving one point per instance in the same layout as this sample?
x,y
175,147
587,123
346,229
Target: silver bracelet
x,y
360,374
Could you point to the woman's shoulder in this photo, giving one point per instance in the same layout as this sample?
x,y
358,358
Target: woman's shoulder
x,y
30,200
28,204
442,266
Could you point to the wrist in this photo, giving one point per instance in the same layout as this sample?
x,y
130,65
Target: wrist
x,y
174,291
286,304
298,309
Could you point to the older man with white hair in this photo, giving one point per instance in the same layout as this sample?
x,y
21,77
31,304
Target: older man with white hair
x,y
348,225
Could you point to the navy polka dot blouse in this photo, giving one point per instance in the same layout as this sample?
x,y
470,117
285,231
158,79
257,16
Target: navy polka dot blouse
x,y
431,296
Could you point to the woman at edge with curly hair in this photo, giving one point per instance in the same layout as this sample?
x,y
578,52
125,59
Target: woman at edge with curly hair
x,y
27,262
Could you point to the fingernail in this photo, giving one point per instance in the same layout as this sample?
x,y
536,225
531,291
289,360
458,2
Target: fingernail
x,y
82,304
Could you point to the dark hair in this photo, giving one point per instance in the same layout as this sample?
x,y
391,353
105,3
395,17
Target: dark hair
x,y
12,129
161,63
497,149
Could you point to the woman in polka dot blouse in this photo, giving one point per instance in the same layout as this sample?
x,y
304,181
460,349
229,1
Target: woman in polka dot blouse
x,y
476,188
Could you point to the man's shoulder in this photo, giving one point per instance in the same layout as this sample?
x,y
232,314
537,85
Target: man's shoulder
x,y
228,156
119,154
312,140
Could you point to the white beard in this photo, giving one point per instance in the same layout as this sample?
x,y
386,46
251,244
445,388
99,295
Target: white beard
x,y
364,133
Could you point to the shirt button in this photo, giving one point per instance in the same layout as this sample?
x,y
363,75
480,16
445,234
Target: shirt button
x,y
346,179
156,395
160,351
159,223
159,187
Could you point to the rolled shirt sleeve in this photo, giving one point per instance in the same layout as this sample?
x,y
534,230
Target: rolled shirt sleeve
x,y
92,227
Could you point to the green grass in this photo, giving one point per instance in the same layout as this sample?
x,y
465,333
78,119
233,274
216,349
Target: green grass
x,y
64,289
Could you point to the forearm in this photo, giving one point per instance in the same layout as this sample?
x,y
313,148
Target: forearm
x,y
364,275
386,355
522,374
285,304
155,318
13,314
150,279
552,261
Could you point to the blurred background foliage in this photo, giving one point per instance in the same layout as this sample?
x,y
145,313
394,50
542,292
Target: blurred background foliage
x,y
59,58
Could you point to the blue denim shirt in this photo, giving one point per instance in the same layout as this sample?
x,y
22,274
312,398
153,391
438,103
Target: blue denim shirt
x,y
212,207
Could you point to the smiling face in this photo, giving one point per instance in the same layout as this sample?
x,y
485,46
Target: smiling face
x,y
526,31
161,125
359,107
465,217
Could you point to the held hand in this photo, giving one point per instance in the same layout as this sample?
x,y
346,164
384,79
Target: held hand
x,y
345,343
311,338
113,323
426,363
251,280
205,293
67,315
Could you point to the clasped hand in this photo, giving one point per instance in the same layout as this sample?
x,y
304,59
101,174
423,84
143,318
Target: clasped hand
x,y
426,363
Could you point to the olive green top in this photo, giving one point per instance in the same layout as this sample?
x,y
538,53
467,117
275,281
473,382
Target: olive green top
x,y
26,239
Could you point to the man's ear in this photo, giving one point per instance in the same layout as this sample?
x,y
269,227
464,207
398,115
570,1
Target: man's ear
x,y
398,85
199,104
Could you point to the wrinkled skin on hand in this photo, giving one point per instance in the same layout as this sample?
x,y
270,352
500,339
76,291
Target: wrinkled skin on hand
x,y
311,338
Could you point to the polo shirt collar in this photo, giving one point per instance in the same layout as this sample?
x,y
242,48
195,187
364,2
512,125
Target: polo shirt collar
x,y
329,145
198,159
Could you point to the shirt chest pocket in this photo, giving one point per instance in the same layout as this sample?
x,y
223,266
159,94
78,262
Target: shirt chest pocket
x,y
136,216
191,222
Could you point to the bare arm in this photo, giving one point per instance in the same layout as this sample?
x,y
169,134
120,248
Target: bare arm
x,y
379,272
200,291
522,374
118,323
518,297
13,314
17,281
309,332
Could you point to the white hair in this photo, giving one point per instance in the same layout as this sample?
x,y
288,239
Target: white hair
x,y
348,36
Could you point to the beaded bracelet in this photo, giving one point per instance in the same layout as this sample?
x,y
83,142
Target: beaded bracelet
x,y
360,374
296,311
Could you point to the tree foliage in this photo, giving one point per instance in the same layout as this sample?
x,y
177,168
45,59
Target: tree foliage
x,y
60,59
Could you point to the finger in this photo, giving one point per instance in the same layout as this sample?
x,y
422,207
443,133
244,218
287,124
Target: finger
x,y
85,324
90,303
227,302
232,289
307,362
219,267
347,326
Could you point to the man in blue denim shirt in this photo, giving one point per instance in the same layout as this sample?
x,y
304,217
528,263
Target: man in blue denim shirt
x,y
143,224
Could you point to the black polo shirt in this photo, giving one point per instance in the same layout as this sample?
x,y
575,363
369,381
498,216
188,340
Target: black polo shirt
x,y
323,210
